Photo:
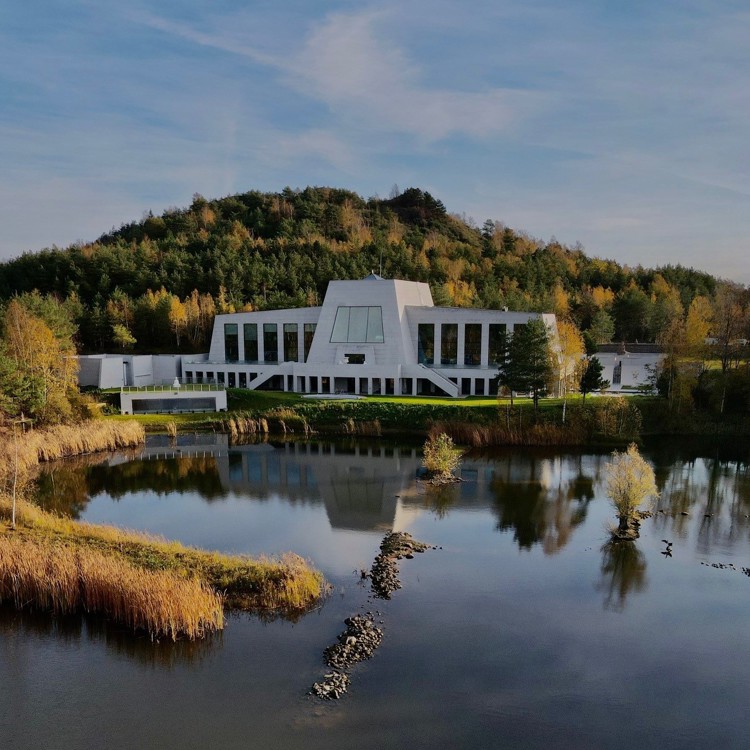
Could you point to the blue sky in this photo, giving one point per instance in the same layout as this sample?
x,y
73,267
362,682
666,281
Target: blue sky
x,y
622,126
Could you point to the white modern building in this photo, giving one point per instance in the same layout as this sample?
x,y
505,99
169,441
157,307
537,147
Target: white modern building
x,y
127,370
628,367
372,336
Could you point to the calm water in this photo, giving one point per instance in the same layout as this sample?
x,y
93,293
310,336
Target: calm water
x,y
526,629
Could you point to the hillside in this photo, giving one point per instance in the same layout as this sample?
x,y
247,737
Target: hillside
x,y
156,283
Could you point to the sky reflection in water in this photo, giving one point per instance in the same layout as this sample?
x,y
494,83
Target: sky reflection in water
x,y
526,626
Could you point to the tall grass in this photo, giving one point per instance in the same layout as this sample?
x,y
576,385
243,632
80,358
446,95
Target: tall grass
x,y
365,428
282,419
482,436
168,590
62,579
287,585
35,446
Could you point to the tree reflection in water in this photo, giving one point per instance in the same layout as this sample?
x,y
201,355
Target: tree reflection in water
x,y
67,486
440,498
623,571
539,514
16,627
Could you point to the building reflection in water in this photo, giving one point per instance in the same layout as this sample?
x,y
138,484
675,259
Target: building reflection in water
x,y
539,496
363,486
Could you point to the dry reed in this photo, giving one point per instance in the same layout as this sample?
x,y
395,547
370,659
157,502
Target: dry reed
x,y
61,579
482,436
143,582
35,446
281,420
366,428
288,584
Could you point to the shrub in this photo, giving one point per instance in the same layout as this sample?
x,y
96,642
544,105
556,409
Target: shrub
x,y
630,482
441,457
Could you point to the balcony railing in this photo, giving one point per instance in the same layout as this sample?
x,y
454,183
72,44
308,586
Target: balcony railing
x,y
173,387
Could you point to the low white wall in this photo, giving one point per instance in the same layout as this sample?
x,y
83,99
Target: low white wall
x,y
172,400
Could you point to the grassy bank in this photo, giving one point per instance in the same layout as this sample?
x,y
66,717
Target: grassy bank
x,y
476,422
286,584
64,579
483,420
167,589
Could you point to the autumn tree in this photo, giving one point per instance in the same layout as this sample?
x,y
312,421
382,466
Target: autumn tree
x,y
40,368
630,483
728,329
122,337
570,350
178,318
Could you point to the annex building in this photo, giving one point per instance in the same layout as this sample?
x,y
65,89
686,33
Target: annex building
x,y
371,336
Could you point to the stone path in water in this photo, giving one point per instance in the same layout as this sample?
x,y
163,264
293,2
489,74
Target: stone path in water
x,y
362,636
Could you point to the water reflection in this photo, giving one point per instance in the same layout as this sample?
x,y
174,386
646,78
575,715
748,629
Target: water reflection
x,y
75,630
441,498
623,571
710,496
582,670
540,497
541,502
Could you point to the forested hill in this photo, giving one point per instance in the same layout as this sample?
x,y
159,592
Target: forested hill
x,y
270,250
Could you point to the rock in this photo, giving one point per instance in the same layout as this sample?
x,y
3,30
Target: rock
x,y
384,573
333,686
362,636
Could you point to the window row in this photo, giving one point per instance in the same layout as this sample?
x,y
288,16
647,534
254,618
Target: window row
x,y
497,338
270,331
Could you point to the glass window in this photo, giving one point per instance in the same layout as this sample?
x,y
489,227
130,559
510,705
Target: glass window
x,y
341,326
251,342
498,343
358,325
231,343
291,347
449,343
426,343
375,325
473,344
518,327
270,342
309,334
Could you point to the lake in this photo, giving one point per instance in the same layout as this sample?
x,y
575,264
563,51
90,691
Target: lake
x,y
525,628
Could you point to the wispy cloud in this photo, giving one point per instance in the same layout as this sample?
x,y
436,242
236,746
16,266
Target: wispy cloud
x,y
347,63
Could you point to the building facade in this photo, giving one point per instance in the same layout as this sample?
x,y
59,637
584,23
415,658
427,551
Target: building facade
x,y
629,367
371,336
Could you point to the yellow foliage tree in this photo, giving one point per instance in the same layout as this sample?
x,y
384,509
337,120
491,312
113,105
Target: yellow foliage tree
x,y
602,298
570,352
177,318
698,326
560,301
44,362
630,483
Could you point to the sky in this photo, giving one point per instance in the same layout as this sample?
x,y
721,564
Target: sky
x,y
619,126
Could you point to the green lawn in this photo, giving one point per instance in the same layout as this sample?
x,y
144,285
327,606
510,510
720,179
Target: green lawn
x,y
241,400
